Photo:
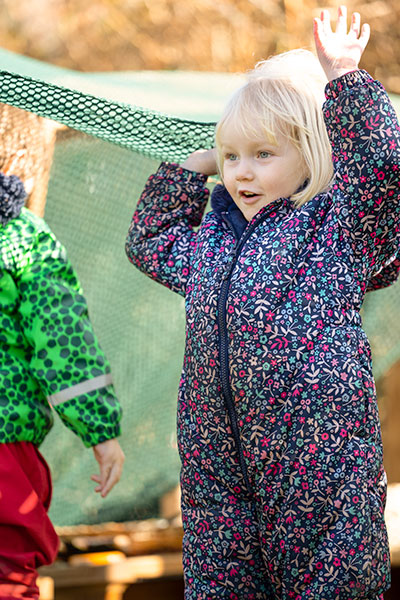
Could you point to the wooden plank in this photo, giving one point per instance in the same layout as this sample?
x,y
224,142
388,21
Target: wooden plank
x,y
170,503
126,571
46,588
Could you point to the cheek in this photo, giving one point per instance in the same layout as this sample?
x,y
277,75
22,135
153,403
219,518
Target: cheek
x,y
228,179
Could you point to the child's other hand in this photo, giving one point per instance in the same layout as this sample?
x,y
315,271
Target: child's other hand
x,y
202,161
111,459
340,52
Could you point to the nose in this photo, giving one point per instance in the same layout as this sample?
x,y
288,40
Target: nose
x,y
244,171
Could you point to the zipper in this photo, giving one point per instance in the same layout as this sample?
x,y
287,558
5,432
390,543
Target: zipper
x,y
223,348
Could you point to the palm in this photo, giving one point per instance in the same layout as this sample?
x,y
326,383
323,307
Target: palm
x,y
340,50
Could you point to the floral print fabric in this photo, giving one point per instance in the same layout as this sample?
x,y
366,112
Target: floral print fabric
x,y
283,487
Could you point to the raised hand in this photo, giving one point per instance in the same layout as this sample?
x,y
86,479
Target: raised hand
x,y
340,52
202,161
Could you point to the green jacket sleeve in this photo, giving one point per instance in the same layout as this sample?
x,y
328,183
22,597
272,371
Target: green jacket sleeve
x,y
66,359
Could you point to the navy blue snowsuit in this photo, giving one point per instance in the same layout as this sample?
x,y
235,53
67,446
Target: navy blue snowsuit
x,y
283,486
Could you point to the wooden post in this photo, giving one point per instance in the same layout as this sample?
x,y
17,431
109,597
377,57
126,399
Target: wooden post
x,y
46,588
26,150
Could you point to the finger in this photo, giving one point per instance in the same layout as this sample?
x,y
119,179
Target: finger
x,y
318,32
113,478
326,22
355,24
341,24
97,479
364,37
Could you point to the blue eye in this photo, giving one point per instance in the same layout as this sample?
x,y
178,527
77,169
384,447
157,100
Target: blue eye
x,y
264,154
230,156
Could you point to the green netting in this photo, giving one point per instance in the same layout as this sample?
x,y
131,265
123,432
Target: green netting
x,y
90,201
98,172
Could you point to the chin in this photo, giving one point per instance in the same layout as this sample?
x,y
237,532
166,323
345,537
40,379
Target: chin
x,y
249,214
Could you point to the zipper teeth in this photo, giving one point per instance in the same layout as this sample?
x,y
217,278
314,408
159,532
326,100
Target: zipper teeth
x,y
226,387
224,359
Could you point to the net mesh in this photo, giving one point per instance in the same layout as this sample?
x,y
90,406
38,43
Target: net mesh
x,y
100,165
148,132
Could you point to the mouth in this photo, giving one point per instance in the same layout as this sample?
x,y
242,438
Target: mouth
x,y
248,197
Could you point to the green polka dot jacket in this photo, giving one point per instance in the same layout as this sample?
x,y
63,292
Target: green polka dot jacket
x,y
49,355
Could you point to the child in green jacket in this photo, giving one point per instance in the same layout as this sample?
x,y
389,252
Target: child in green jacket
x,y
49,358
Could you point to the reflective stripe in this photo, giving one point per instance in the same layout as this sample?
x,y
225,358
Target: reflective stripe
x,y
80,388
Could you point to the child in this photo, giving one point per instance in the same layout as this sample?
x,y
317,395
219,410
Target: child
x,y
49,355
283,487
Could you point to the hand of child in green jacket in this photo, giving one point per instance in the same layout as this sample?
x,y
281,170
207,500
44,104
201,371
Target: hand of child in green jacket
x,y
111,459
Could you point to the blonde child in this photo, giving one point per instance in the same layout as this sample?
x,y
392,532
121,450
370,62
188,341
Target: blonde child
x,y
283,486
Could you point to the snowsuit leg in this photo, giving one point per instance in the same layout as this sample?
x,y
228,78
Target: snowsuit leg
x,y
221,549
27,537
321,525
320,487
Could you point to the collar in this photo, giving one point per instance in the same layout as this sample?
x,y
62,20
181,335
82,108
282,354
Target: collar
x,y
224,206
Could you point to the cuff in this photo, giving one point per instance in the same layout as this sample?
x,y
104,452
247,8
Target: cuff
x,y
178,174
346,82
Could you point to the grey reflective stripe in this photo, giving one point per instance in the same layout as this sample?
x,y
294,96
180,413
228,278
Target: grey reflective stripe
x,y
80,388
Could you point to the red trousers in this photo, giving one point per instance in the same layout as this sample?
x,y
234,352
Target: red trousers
x,y
27,537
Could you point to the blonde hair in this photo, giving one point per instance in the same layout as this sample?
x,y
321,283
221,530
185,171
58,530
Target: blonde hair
x,y
284,96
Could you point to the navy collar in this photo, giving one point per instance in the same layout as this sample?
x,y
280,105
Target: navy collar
x,y
224,206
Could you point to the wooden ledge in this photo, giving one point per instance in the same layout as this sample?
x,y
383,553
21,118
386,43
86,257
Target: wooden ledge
x,y
126,571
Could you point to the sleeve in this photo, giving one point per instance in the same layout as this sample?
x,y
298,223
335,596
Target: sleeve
x,y
66,358
161,237
386,276
365,138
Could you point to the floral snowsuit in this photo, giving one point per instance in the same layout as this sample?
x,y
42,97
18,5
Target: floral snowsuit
x,y
283,487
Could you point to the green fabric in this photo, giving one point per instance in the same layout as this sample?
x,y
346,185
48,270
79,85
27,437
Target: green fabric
x,y
47,344
196,96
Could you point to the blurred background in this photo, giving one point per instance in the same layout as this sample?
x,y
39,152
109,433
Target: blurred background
x,y
199,35
151,52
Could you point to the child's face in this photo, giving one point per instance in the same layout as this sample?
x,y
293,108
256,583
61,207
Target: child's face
x,y
256,172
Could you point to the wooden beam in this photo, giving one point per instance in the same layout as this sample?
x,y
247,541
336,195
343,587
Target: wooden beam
x,y
126,571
